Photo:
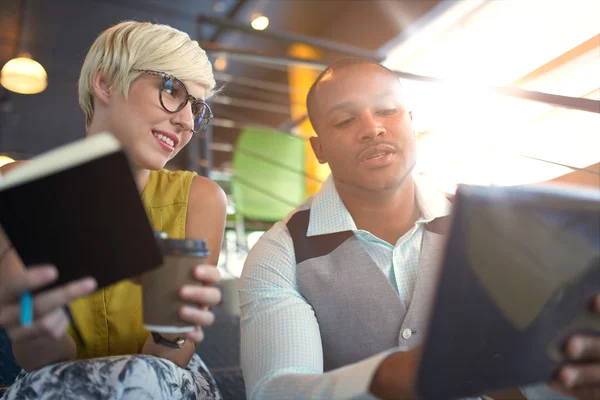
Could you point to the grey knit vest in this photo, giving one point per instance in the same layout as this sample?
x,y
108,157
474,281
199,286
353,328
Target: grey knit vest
x,y
358,311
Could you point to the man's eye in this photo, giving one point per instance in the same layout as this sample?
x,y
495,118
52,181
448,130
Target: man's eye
x,y
387,111
344,123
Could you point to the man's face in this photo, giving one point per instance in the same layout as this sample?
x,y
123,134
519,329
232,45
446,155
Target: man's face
x,y
365,132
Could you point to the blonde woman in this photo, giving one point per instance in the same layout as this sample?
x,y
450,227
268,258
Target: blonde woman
x,y
147,84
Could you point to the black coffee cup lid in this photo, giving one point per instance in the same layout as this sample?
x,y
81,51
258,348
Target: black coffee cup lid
x,y
185,247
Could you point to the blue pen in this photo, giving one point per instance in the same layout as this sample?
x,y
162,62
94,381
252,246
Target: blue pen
x,y
26,309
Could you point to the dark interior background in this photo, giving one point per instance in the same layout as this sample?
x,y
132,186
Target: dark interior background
x,y
58,33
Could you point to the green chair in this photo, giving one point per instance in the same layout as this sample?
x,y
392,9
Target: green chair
x,y
268,179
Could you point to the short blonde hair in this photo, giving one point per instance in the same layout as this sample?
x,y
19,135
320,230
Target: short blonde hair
x,y
131,45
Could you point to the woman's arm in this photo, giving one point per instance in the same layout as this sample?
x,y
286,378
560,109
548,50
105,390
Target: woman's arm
x,y
35,354
206,216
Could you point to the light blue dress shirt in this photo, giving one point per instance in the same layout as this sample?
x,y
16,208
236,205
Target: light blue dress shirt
x,y
281,352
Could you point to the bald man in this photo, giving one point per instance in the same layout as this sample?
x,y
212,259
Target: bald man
x,y
335,298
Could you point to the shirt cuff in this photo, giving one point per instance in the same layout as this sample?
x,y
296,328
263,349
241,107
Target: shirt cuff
x,y
355,379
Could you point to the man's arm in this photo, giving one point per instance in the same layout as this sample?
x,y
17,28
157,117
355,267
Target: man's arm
x,y
281,344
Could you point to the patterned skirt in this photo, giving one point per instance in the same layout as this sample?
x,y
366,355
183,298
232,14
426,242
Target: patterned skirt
x,y
130,377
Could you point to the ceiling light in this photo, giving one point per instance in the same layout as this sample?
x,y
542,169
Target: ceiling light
x,y
220,63
259,22
24,75
5,160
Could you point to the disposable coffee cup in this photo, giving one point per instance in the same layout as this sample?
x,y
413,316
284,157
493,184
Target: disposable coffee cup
x,y
160,287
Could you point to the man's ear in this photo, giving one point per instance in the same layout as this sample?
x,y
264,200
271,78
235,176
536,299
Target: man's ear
x,y
101,87
412,122
315,142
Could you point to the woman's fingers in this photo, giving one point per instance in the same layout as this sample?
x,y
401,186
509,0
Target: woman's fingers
x,y
195,336
60,297
53,325
200,295
196,316
32,279
48,301
207,274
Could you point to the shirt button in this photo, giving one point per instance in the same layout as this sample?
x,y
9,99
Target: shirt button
x,y
406,334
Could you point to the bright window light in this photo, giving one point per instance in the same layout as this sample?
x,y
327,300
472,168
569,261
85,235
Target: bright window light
x,y
469,135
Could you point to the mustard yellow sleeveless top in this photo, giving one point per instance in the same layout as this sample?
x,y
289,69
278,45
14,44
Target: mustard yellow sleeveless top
x,y
110,320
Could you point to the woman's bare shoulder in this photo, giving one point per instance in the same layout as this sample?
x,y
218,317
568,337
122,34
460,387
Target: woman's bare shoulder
x,y
206,192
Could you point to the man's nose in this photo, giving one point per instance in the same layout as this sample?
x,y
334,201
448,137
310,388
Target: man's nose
x,y
370,128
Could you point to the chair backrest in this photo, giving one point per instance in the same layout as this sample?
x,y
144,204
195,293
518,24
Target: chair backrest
x,y
268,174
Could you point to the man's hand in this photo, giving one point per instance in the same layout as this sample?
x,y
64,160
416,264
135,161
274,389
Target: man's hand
x,y
396,376
581,378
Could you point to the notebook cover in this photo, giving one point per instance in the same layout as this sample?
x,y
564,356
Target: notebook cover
x,y
88,221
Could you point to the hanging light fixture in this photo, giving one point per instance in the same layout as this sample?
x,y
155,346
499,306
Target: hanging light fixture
x,y
220,63
259,22
5,160
23,74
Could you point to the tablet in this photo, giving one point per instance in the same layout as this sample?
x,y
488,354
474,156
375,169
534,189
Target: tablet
x,y
519,269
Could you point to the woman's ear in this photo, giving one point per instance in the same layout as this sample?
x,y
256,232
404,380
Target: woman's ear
x,y
315,142
101,87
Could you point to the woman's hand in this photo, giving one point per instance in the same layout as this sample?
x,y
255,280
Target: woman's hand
x,y
50,320
46,340
202,295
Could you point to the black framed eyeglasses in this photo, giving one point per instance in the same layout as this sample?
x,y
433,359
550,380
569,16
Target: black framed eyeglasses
x,y
174,96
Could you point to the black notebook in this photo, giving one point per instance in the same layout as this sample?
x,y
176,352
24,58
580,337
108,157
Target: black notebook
x,y
520,268
78,207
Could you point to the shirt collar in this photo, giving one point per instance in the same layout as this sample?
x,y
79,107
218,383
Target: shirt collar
x,y
431,201
329,214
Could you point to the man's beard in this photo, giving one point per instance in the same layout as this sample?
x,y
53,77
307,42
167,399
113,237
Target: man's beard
x,y
390,183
